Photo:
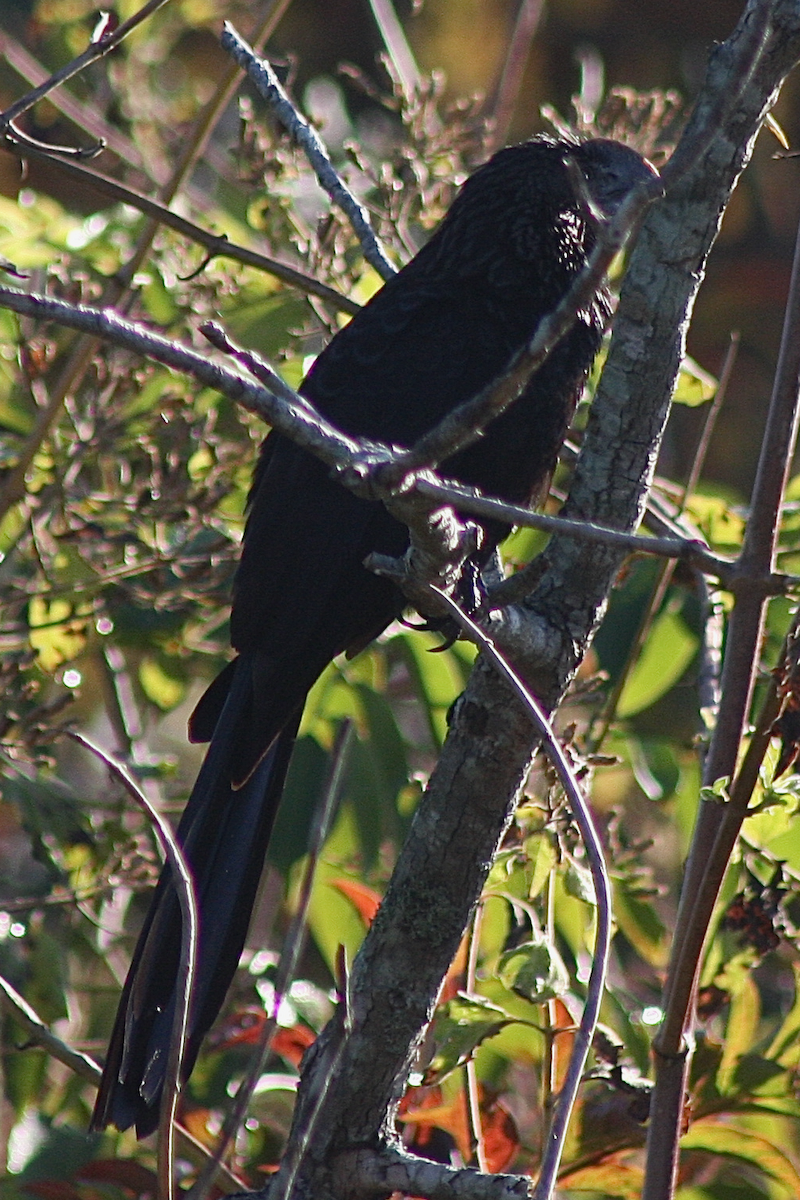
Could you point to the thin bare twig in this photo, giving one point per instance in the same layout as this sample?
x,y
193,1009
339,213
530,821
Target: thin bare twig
x,y
306,137
470,1070
714,409
83,115
602,888
39,1033
216,244
300,1142
96,49
718,824
255,364
708,861
665,576
182,880
397,47
529,14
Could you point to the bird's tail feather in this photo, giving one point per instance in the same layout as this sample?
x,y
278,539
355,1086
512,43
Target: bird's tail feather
x,y
224,834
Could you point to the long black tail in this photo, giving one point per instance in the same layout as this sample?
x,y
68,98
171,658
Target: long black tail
x,y
224,835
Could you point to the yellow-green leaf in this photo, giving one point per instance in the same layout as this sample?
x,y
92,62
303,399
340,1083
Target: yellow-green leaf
x,y
734,1143
610,1179
666,655
695,386
164,690
55,633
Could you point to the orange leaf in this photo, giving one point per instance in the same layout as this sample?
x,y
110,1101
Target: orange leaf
x,y
195,1120
245,1027
429,1112
291,1042
365,900
562,1047
499,1133
242,1028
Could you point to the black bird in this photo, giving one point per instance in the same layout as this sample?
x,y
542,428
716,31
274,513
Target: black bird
x,y
443,327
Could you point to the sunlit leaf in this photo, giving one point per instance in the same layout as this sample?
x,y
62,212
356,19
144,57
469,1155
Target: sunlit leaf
x,y
666,655
744,1015
641,925
164,690
695,386
578,882
55,632
611,1179
459,1027
534,970
739,1145
365,900
717,521
542,853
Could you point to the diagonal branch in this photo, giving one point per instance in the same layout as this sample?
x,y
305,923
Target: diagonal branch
x,y
465,425
216,244
602,889
107,40
306,137
365,467
182,879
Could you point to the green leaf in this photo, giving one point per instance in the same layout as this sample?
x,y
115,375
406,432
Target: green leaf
x,y
333,920
163,689
641,925
783,1048
459,1027
46,987
609,1179
717,792
695,386
56,633
158,301
740,1031
739,1145
387,744
666,655
578,882
718,523
26,1071
541,852
438,677
754,1073
301,794
367,798
50,811
534,970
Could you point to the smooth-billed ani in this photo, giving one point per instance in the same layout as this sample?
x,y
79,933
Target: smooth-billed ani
x,y
437,332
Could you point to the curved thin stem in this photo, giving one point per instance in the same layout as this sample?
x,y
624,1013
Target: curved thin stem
x,y
594,854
